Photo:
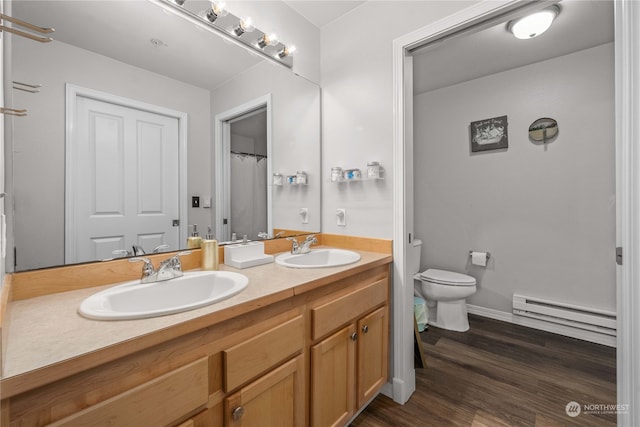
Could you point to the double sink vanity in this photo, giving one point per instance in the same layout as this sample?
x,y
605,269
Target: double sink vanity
x,y
302,341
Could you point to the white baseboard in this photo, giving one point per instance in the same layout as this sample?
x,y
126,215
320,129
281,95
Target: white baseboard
x,y
542,325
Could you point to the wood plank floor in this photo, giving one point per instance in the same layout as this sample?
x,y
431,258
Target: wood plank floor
x,y
500,374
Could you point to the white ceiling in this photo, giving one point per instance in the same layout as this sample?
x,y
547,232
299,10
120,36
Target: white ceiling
x,y
581,24
321,12
115,29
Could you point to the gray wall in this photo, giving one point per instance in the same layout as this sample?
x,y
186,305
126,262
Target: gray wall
x,y
546,214
39,138
295,136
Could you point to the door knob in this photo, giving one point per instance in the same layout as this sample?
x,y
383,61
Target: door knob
x,y
354,336
365,329
237,413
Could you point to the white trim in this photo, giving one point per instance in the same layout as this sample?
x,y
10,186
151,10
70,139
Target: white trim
x,y
542,325
221,162
627,45
71,114
403,372
627,106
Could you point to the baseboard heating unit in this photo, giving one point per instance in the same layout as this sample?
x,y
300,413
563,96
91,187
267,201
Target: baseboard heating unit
x,y
575,316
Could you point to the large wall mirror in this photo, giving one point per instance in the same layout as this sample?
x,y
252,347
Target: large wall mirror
x,y
122,135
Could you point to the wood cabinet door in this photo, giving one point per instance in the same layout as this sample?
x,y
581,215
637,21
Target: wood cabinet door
x,y
276,399
373,351
333,379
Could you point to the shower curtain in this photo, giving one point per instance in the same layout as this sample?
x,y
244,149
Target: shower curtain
x,y
248,195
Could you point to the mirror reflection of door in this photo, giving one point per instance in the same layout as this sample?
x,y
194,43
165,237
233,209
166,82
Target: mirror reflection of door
x,y
125,170
248,174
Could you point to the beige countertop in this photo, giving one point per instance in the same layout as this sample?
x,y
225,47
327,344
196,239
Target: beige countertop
x,y
47,331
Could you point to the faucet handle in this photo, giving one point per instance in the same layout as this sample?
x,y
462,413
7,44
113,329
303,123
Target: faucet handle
x,y
175,260
310,237
146,261
121,252
157,249
147,269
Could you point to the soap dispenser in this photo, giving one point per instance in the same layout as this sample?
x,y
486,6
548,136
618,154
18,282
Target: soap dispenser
x,y
194,241
210,259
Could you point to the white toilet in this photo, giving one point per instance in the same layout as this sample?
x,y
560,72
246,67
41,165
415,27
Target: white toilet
x,y
444,291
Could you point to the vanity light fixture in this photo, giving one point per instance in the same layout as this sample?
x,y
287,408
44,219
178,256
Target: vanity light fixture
x,y
286,51
218,20
215,11
533,25
267,40
244,26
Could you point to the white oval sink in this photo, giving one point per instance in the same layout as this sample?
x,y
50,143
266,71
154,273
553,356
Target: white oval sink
x,y
133,300
319,258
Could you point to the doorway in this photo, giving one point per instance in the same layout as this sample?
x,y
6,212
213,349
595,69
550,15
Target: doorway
x,y
248,175
627,15
242,159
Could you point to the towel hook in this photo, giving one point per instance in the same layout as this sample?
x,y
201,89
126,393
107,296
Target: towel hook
x,y
27,25
13,112
27,87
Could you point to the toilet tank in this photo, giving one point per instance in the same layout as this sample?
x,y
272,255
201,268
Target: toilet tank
x,y
413,257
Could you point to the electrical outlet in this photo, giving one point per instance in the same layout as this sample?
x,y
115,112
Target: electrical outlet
x,y
341,215
195,201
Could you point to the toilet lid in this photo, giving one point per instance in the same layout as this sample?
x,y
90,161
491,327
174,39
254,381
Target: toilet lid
x,y
447,277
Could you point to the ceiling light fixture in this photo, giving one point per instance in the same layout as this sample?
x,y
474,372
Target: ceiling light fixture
x,y
533,25
216,19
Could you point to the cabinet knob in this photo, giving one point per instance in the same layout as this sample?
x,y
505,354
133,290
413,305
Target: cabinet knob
x,y
365,329
354,336
237,413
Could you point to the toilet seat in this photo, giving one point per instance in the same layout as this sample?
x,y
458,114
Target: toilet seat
x,y
449,278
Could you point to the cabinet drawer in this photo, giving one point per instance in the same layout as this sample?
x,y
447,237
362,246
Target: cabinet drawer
x,y
259,354
157,402
332,315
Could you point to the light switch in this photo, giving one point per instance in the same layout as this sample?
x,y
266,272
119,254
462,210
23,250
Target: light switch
x,y
304,215
341,215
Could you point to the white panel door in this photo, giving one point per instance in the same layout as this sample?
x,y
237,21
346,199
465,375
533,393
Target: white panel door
x,y
125,176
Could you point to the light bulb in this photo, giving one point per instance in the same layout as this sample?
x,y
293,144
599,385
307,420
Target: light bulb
x,y
267,40
245,26
533,25
286,51
217,10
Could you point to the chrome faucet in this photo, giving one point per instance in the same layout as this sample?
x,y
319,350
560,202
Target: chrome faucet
x,y
170,268
304,247
139,250
265,235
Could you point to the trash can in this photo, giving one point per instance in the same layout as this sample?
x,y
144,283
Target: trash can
x,y
420,311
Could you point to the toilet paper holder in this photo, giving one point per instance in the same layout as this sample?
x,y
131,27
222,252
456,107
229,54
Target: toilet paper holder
x,y
488,254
